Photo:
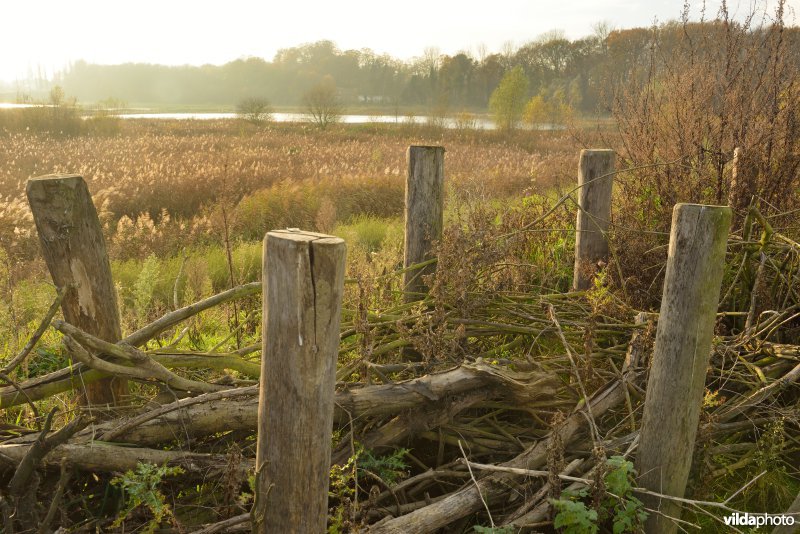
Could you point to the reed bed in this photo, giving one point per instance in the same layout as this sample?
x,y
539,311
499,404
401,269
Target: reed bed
x,y
173,179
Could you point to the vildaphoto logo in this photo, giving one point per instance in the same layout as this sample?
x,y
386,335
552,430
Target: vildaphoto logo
x,y
759,520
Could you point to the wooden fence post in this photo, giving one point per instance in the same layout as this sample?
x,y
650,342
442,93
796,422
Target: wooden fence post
x,y
75,253
303,279
740,190
594,214
695,266
424,215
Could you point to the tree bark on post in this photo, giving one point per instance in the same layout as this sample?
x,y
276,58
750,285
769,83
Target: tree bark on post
x,y
695,266
594,213
424,214
303,280
75,252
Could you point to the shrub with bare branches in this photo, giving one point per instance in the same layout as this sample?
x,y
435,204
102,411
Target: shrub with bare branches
x,y
703,90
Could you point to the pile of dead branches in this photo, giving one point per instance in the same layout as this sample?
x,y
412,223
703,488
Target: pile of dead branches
x,y
502,405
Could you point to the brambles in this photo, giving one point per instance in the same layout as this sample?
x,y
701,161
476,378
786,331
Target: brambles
x,y
700,92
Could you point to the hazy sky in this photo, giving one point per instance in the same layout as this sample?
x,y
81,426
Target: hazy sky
x,y
50,33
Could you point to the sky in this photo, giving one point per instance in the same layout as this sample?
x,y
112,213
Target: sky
x,y
45,35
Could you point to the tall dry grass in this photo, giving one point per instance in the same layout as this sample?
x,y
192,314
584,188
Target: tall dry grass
x,y
159,185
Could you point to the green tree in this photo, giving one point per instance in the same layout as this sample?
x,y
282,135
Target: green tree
x,y
537,110
543,110
508,101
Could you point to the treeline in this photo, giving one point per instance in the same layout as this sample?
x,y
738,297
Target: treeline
x,y
580,73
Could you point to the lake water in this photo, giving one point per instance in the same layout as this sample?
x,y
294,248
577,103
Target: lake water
x,y
11,105
300,117
479,123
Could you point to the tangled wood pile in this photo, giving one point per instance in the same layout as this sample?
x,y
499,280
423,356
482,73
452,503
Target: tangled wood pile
x,y
500,410
492,400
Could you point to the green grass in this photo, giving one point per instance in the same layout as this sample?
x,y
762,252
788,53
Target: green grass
x,y
370,234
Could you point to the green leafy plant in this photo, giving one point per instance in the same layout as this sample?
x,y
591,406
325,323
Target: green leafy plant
x,y
140,488
573,516
628,511
625,511
344,481
389,468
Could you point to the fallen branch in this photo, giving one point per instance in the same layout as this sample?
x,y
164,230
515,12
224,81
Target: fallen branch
x,y
235,409
146,333
144,367
414,422
105,457
78,375
238,523
39,449
757,397
63,480
24,484
470,499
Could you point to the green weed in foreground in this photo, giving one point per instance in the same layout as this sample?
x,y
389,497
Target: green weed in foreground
x,y
363,465
141,488
618,505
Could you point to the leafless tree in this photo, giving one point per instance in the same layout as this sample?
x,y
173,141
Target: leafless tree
x,y
322,103
254,109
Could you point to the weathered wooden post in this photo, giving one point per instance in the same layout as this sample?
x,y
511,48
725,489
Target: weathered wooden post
x,y
75,253
303,279
424,216
695,266
743,174
591,246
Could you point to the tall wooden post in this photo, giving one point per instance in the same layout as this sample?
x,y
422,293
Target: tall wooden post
x,y
424,216
75,253
695,266
303,279
740,191
591,246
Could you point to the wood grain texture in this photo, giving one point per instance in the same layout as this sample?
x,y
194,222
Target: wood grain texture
x,y
594,215
424,213
303,286
75,252
695,265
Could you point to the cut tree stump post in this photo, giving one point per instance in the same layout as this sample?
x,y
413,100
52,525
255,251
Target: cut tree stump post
x,y
695,265
303,280
75,252
424,215
594,199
